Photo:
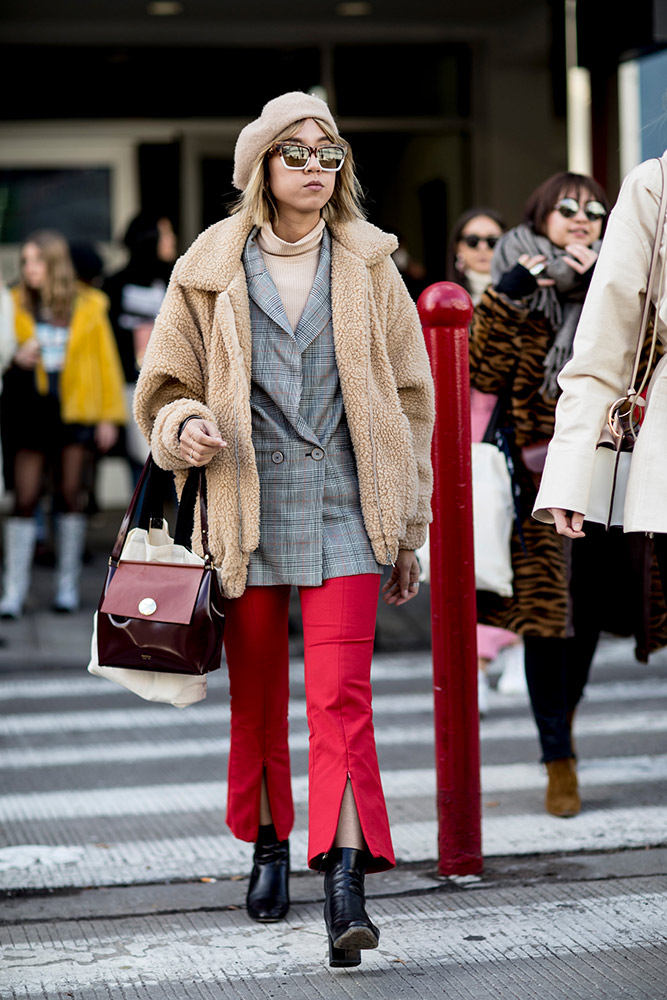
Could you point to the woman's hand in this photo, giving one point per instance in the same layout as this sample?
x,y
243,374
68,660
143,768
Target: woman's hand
x,y
580,258
403,584
522,280
106,435
200,442
27,355
568,523
536,261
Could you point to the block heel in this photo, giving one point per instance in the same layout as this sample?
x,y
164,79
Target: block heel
x,y
343,958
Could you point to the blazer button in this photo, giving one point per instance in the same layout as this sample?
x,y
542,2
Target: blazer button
x,y
277,457
317,454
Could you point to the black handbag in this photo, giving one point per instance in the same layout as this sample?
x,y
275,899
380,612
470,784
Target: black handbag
x,y
157,615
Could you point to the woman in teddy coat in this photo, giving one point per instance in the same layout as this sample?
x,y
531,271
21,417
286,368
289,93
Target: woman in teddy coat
x,y
288,358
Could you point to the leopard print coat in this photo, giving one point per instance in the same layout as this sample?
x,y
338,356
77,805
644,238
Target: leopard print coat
x,y
508,345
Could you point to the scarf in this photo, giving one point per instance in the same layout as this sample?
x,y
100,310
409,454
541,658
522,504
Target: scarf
x,y
560,304
478,282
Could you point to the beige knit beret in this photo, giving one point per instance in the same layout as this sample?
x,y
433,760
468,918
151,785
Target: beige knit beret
x,y
276,116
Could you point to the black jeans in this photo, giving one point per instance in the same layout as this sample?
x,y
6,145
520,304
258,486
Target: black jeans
x,y
556,673
660,546
557,669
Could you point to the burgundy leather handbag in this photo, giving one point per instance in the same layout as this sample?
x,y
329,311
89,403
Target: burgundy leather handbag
x,y
157,615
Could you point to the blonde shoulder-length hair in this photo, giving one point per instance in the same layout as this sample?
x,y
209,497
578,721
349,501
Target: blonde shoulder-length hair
x,y
344,205
59,291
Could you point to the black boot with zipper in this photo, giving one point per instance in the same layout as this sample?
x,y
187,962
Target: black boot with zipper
x,y
348,925
268,891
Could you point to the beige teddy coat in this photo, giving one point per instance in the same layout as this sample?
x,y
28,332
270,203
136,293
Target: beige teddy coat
x,y
198,361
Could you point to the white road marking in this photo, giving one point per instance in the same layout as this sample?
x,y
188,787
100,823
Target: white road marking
x,y
165,717
141,861
208,796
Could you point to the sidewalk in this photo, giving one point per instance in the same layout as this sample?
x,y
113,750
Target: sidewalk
x,y
558,928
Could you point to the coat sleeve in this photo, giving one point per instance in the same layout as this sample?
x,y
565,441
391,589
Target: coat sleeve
x,y
171,384
494,341
604,345
412,372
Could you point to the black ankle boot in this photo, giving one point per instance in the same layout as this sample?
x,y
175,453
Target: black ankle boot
x,y
345,915
268,892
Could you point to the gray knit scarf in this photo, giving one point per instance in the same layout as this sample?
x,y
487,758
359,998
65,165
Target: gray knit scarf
x,y
560,304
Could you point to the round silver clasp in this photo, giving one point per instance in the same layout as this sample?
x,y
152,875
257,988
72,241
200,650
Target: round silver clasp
x,y
147,606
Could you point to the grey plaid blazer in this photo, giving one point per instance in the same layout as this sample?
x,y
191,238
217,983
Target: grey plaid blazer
x,y
311,525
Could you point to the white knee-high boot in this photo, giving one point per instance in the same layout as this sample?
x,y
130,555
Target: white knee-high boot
x,y
70,539
20,534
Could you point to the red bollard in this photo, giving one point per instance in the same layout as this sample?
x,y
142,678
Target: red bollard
x,y
445,310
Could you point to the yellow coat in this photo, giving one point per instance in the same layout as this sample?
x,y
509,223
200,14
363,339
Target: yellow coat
x,y
91,382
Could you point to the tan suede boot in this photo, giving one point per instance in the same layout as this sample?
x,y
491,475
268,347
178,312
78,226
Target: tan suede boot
x,y
562,795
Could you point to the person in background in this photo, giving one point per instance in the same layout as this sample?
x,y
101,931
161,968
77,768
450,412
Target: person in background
x,y
135,295
62,395
7,345
599,372
411,270
521,336
469,254
88,265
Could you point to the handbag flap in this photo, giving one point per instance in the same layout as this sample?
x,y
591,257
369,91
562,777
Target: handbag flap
x,y
153,591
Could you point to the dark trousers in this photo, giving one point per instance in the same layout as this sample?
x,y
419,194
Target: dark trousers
x,y
557,669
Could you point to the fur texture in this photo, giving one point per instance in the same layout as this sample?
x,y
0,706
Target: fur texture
x,y
199,362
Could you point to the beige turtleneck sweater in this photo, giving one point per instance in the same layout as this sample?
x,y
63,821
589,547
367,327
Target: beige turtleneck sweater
x,y
292,266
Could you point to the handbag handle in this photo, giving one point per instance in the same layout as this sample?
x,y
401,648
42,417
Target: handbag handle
x,y
152,505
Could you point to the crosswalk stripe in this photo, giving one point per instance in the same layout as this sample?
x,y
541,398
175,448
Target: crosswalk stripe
x,y
644,688
385,667
165,717
209,796
189,857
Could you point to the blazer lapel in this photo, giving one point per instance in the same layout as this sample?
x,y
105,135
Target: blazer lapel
x,y
317,311
261,288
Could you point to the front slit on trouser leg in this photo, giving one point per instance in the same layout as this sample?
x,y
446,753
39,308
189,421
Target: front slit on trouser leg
x,y
339,628
256,645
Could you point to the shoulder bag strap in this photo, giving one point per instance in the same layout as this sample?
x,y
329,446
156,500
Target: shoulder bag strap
x,y
128,517
196,482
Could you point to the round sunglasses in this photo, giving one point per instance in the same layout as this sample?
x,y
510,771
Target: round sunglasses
x,y
474,241
296,156
569,207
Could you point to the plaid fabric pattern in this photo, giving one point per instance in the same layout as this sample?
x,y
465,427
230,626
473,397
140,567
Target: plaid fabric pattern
x,y
311,525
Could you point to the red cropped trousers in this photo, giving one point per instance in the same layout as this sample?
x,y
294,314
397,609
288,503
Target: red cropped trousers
x,y
338,628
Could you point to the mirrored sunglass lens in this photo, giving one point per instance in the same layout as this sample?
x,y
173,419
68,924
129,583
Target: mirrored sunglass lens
x,y
330,157
568,207
294,156
595,210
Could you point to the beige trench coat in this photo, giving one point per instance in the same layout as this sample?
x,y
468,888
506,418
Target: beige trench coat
x,y
600,368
